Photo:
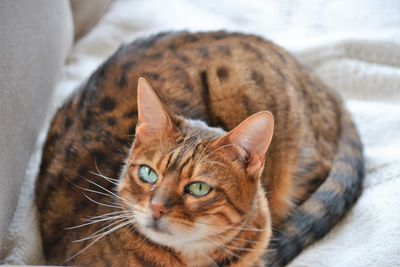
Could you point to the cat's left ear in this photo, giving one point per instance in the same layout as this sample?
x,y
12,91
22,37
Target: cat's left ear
x,y
254,135
153,119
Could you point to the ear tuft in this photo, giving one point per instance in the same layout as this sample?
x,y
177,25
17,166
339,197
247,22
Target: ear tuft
x,y
152,117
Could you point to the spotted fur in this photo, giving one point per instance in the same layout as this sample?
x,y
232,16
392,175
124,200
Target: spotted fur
x,y
312,175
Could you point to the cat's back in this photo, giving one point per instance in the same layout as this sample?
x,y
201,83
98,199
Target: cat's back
x,y
204,76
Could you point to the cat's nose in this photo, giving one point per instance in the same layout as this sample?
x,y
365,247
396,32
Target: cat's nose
x,y
158,210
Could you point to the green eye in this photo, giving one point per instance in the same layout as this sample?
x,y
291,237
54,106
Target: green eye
x,y
198,189
147,174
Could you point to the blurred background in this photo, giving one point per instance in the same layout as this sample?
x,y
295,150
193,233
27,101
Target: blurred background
x,y
48,48
290,23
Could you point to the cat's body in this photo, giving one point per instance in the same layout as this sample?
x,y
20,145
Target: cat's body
x,y
313,168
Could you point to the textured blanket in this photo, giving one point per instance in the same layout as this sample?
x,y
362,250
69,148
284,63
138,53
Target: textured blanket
x,y
353,47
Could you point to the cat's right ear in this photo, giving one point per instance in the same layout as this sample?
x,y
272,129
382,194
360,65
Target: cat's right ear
x,y
153,119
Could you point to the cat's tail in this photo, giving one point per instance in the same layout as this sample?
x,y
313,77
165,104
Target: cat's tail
x,y
327,205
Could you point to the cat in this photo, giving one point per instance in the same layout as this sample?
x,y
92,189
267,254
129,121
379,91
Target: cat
x,y
230,154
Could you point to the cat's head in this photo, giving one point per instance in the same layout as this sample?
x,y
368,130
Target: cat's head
x,y
187,184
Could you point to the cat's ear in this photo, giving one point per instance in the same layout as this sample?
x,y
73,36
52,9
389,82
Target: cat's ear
x,y
152,116
254,135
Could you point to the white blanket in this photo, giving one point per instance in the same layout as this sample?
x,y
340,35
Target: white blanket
x,y
353,47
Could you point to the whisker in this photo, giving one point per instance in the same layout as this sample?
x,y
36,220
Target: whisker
x,y
104,215
100,231
92,222
102,204
97,239
105,178
112,202
98,170
93,191
105,189
122,212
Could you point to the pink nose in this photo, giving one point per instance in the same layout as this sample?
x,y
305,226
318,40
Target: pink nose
x,y
158,210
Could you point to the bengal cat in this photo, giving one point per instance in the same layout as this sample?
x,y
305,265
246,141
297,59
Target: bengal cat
x,y
186,174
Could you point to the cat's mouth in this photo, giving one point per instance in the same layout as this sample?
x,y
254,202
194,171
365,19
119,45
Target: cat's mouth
x,y
158,227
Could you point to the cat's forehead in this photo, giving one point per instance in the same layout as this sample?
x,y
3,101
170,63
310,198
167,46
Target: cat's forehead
x,y
189,150
187,153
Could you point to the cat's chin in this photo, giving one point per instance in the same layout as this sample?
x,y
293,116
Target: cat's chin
x,y
173,235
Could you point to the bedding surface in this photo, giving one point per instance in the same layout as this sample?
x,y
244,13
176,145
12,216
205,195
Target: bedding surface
x,y
353,47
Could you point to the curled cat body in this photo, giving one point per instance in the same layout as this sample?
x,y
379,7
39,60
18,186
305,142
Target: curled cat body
x,y
230,154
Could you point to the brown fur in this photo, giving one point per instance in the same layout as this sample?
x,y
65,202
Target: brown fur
x,y
313,168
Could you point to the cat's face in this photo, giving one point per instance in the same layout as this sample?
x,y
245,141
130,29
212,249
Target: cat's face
x,y
185,190
186,184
